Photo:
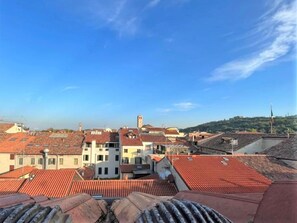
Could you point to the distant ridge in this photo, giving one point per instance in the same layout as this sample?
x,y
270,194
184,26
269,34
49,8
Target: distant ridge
x,y
281,125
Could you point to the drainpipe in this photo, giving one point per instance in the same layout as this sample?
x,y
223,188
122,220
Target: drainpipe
x,y
45,151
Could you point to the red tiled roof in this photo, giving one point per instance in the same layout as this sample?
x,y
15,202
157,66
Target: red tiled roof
x,y
15,143
56,143
122,188
155,138
129,168
9,186
171,131
5,126
126,141
221,174
51,183
17,173
103,137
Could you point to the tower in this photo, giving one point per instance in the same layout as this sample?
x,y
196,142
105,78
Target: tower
x,y
139,121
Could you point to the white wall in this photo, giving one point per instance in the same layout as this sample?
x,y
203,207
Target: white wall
x,y
162,167
259,146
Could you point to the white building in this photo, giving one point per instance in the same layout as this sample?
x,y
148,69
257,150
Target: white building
x,y
101,149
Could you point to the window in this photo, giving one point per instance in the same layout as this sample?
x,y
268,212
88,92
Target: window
x,y
116,157
117,150
12,156
21,161
88,144
98,145
99,170
51,161
61,161
75,161
125,160
11,167
138,160
32,161
138,150
86,157
106,149
105,170
100,158
106,157
40,161
125,150
116,170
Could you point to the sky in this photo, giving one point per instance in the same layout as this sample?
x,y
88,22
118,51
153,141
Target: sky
x,y
176,62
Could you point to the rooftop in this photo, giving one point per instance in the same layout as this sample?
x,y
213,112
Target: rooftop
x,y
15,143
5,126
50,183
130,137
8,186
221,174
129,168
102,137
18,173
122,188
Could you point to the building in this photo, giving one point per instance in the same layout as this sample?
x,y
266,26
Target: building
x,y
131,146
101,149
220,174
12,128
139,121
12,151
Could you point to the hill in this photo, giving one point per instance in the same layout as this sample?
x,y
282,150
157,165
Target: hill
x,y
255,124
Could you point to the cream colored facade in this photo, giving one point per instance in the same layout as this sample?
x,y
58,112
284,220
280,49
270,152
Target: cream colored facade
x,y
132,154
16,128
55,162
6,162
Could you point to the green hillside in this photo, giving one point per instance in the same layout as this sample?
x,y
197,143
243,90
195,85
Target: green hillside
x,y
255,124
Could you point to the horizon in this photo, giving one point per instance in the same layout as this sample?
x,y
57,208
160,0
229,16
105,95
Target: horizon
x,y
178,63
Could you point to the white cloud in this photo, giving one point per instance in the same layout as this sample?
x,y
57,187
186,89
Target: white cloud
x,y
69,88
153,3
184,106
181,106
277,29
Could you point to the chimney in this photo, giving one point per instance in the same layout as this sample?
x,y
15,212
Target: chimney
x,y
139,121
45,151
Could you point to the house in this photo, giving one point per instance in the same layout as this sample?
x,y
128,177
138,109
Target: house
x,y
101,149
131,146
12,150
60,150
285,151
238,143
12,128
208,173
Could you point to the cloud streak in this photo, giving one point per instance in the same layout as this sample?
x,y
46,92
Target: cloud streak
x,y
278,29
69,88
181,106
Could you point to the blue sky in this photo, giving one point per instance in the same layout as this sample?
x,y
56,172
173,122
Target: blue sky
x,y
176,62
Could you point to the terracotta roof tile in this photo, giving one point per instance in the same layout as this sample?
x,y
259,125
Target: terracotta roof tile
x,y
51,183
270,167
5,126
104,137
9,186
15,143
121,188
57,143
17,173
222,174
155,138
130,137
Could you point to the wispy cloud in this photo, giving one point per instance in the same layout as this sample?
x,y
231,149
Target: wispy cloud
x,y
277,28
125,17
181,106
153,3
69,88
